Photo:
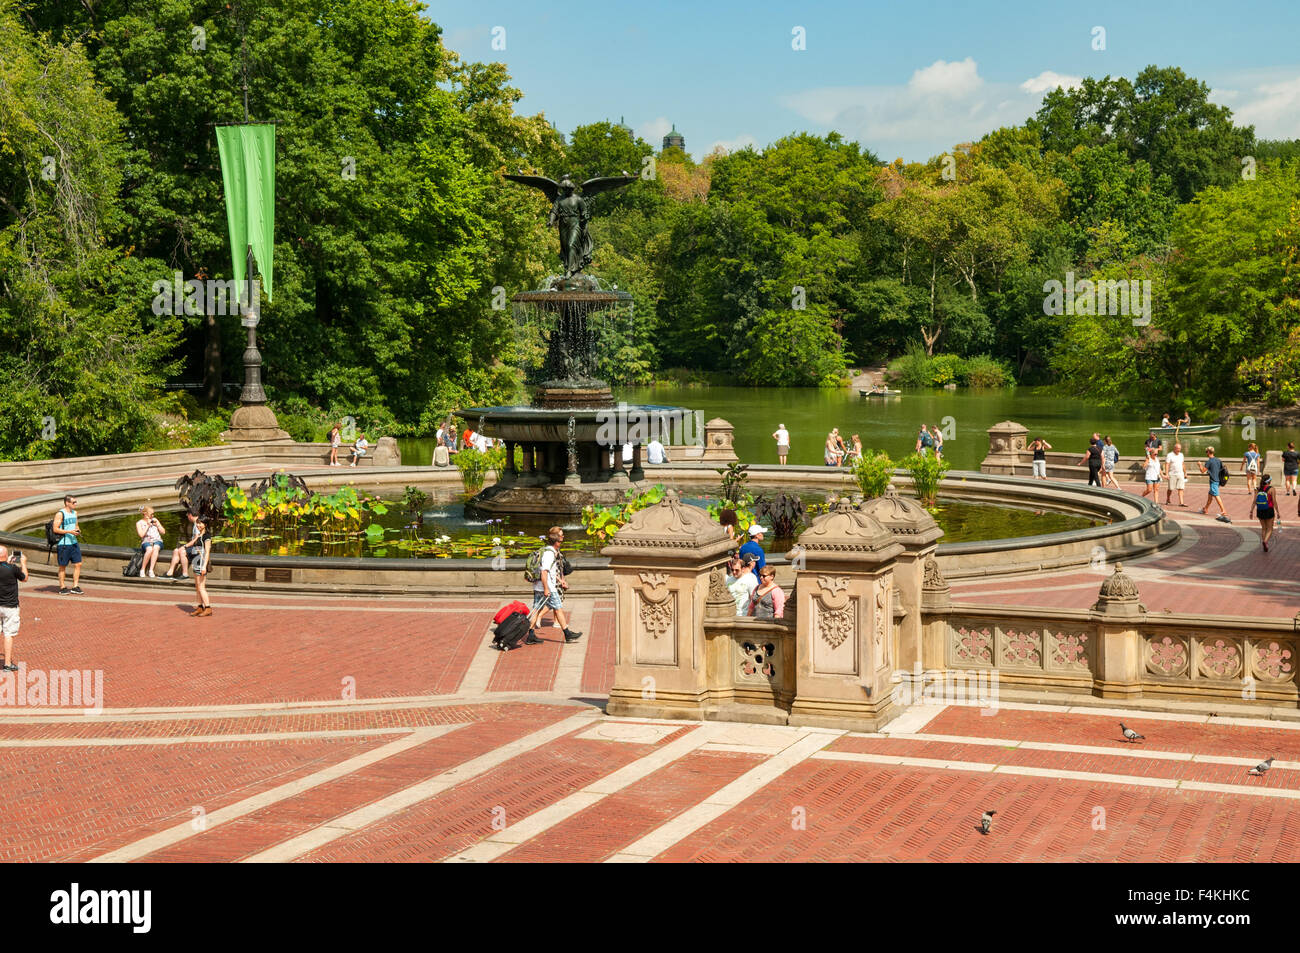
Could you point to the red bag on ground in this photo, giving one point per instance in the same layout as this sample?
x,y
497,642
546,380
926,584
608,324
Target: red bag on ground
x,y
509,610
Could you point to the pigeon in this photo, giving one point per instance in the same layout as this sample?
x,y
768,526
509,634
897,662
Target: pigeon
x,y
986,822
1262,767
1130,734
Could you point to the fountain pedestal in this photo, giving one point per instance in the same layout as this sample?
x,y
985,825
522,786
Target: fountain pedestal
x,y
569,432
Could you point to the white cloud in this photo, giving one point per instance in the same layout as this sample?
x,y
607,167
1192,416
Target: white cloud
x,y
1048,80
654,131
742,141
940,105
947,79
1272,108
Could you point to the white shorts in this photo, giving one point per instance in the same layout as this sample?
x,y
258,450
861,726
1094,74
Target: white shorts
x,y
1177,481
1040,468
8,622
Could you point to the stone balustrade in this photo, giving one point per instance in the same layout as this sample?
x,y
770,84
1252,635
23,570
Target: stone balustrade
x,y
1009,455
871,615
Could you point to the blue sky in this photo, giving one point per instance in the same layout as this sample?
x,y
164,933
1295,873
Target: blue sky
x,y
904,79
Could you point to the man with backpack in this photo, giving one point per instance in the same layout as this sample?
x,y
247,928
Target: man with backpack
x,y
69,546
924,442
1218,474
545,569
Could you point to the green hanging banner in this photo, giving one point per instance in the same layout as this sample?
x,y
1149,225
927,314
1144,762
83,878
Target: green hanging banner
x,y
248,173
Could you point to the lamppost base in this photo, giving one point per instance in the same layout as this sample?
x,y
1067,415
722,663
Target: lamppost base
x,y
254,423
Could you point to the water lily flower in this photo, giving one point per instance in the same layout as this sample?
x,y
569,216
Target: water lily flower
x,y
496,540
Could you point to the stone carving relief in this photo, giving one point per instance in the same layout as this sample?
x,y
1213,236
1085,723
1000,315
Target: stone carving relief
x,y
1020,647
1167,655
1070,650
835,610
656,606
1220,658
971,644
757,660
1274,660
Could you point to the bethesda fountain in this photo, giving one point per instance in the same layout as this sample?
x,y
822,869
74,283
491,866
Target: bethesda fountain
x,y
570,440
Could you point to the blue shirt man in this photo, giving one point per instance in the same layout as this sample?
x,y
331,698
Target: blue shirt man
x,y
754,547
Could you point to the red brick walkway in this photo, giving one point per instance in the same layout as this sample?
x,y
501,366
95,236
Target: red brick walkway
x,y
1217,568
321,728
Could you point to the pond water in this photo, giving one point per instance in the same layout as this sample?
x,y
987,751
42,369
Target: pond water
x,y
445,517
890,424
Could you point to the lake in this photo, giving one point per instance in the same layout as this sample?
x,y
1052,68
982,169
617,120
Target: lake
x,y
890,424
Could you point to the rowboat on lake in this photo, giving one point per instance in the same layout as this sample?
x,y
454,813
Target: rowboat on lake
x,y
1190,430
880,392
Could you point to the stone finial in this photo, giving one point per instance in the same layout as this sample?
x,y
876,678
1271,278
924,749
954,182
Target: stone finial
x,y
719,438
1007,437
935,592
909,521
847,533
672,529
1119,595
719,604
932,578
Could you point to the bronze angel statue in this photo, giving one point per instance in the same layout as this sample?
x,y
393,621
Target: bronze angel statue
x,y
569,210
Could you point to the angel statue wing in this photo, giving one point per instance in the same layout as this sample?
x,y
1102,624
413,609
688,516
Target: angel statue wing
x,y
549,186
606,183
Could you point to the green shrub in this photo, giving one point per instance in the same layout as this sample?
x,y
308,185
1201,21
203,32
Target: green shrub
x,y
946,369
926,473
602,522
207,433
985,371
873,472
474,465
912,369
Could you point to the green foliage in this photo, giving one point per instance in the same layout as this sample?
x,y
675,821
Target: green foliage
x,y
1275,376
926,473
283,508
873,472
917,369
473,466
1163,118
732,488
81,360
602,522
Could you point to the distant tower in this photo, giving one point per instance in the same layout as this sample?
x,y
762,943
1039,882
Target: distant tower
x,y
625,127
675,138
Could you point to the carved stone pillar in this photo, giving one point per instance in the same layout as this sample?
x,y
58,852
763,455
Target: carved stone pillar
x,y
637,474
936,605
1006,446
719,437
619,475
662,561
1118,614
571,475
510,474
915,529
845,594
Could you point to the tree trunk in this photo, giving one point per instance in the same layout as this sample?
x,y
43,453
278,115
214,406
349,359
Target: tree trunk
x,y
929,340
211,360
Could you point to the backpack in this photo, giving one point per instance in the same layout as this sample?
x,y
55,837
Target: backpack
x,y
926,439
1261,500
533,567
50,539
132,568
